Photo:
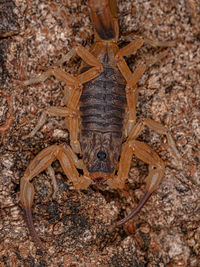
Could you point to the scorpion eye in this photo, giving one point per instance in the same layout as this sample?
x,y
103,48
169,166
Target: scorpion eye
x,y
101,155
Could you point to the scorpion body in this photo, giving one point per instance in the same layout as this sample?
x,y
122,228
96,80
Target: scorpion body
x,y
101,110
103,99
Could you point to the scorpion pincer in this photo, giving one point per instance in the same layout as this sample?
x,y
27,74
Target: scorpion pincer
x,y
101,111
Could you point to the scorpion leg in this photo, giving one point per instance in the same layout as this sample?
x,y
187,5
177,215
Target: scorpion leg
x,y
52,111
157,127
42,161
5,127
54,70
51,173
155,43
75,83
76,93
66,77
131,88
156,170
133,78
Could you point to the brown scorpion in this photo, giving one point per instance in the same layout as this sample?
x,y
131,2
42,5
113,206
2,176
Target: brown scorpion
x,y
102,117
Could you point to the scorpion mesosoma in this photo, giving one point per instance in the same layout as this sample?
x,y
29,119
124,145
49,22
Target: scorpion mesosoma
x,y
102,117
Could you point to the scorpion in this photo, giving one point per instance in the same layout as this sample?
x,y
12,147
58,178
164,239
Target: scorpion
x,y
101,111
9,120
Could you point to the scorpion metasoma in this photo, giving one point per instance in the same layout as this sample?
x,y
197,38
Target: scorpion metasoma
x,y
101,111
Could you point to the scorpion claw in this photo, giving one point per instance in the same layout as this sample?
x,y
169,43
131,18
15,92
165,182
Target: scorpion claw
x,y
30,225
153,180
136,210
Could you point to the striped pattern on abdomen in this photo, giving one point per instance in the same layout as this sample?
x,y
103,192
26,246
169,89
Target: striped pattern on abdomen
x,y
102,103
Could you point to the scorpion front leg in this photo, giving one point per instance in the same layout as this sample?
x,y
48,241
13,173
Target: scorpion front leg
x,y
42,161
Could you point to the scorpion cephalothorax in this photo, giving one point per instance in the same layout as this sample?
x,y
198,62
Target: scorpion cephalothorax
x,y
101,151
101,112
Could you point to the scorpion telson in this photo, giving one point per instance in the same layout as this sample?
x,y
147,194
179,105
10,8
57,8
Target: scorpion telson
x,y
101,111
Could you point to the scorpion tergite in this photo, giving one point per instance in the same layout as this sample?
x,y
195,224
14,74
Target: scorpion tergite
x,y
101,111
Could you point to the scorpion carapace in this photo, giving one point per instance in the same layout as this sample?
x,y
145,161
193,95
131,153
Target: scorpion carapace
x,y
101,110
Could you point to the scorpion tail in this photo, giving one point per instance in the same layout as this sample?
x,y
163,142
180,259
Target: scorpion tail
x,y
104,18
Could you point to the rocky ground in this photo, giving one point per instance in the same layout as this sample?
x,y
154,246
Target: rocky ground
x,y
78,227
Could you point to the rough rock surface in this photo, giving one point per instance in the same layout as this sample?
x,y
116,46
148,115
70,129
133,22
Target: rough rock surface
x,y
78,227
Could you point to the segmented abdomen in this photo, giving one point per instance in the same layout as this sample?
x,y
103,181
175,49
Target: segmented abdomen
x,y
102,103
